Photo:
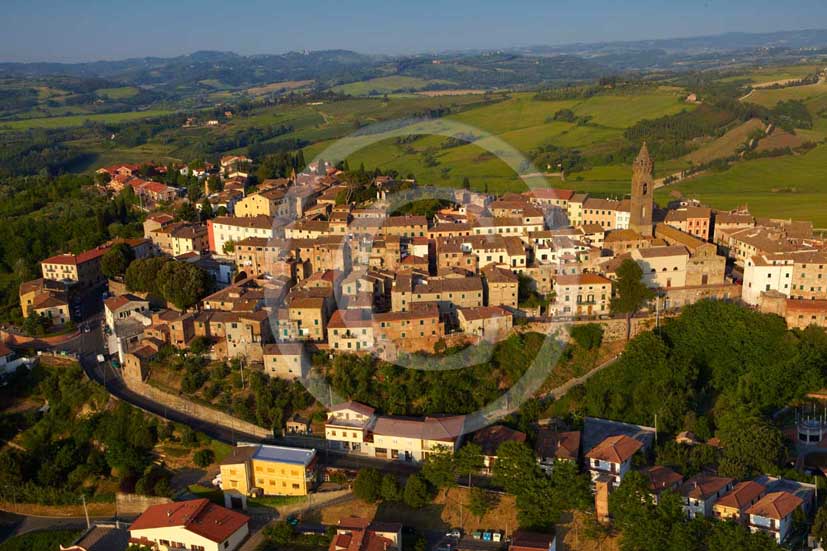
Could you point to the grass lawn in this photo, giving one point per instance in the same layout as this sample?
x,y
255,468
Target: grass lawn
x,y
78,120
782,187
45,540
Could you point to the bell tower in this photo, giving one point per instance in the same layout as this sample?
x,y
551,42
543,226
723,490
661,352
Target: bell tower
x,y
643,185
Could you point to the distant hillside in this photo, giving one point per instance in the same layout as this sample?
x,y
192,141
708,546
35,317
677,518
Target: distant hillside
x,y
207,72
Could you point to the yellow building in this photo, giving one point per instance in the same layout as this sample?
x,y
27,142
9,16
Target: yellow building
x,y
269,470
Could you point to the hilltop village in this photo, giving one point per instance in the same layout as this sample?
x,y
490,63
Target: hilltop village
x,y
271,275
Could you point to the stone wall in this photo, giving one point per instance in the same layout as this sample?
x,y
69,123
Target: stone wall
x,y
134,504
613,329
193,409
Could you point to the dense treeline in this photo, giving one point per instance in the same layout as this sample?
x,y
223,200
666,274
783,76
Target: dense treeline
x,y
43,216
79,444
455,382
717,369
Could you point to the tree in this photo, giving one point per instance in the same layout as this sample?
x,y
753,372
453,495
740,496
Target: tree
x,y
481,501
206,210
229,246
515,469
203,458
36,325
367,485
416,493
819,530
182,284
469,460
631,294
438,468
187,212
116,260
390,489
589,336
572,488
279,533
142,275
751,446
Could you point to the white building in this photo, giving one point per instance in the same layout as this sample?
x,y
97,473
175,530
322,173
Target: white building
x,y
773,514
197,524
701,492
612,457
767,273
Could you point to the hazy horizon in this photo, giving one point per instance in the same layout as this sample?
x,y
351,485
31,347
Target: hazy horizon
x,y
87,30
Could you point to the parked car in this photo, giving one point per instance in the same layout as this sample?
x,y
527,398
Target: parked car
x,y
477,535
496,536
454,533
486,536
217,480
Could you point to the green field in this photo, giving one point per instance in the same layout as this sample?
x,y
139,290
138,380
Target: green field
x,y
773,74
521,122
78,120
385,85
807,93
783,187
727,144
122,92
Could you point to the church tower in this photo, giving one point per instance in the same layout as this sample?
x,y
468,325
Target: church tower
x,y
643,188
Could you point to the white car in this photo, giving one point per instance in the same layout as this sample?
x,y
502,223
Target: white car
x,y
217,481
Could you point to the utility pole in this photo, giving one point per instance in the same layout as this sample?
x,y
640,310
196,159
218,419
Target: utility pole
x,y
85,511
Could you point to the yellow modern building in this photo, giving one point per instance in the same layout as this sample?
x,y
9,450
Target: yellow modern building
x,y
269,470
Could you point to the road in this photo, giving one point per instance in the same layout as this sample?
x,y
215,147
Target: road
x,y
12,524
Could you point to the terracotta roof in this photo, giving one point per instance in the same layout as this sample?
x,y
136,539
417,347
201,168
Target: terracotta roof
x,y
776,505
560,445
615,449
582,279
355,406
549,193
659,252
342,319
622,235
262,221
114,303
701,486
199,516
490,438
283,349
484,312
742,495
72,259
661,478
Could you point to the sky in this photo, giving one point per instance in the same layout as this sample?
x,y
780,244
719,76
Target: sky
x,y
89,30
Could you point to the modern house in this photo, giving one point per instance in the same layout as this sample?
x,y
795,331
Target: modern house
x,y
612,457
268,470
662,479
773,514
196,524
701,492
733,505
